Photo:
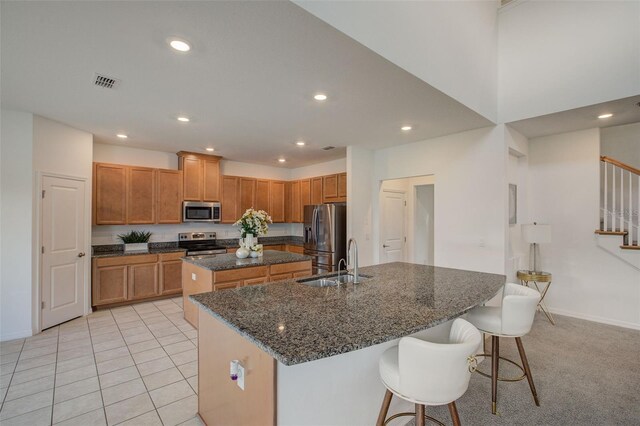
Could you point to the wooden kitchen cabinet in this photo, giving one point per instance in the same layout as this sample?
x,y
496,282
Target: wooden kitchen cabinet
x,y
316,191
141,195
247,195
342,186
201,176
329,187
263,195
109,194
169,196
276,201
124,279
305,196
229,205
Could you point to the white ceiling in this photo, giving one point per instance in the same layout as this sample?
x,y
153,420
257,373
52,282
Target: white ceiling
x,y
247,84
624,111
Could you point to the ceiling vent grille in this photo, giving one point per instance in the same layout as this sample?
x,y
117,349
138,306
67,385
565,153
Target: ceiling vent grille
x,y
328,148
105,81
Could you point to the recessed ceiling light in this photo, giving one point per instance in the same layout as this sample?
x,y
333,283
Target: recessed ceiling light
x,y
300,143
281,160
179,45
122,136
605,116
210,149
183,119
406,128
320,97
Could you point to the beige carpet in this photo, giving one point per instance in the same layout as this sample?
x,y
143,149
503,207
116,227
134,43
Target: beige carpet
x,y
585,373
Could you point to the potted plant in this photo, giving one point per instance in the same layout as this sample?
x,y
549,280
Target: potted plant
x,y
135,240
252,224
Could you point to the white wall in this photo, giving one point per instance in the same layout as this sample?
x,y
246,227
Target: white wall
x,y
518,174
622,143
16,192
64,151
450,45
470,195
360,176
320,169
588,282
560,55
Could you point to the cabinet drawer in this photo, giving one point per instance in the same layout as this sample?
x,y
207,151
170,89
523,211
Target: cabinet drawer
x,y
224,286
172,256
295,249
240,274
279,277
126,260
290,267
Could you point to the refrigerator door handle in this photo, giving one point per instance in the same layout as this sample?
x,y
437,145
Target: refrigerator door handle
x,y
314,227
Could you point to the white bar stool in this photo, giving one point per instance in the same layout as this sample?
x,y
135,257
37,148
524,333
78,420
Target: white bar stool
x,y
512,319
427,373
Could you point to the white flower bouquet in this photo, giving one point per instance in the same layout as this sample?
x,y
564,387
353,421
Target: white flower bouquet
x,y
255,222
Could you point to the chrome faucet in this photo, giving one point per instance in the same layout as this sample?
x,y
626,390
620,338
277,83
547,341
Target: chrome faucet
x,y
356,277
340,270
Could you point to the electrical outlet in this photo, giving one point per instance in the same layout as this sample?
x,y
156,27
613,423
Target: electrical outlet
x,y
193,276
240,380
481,243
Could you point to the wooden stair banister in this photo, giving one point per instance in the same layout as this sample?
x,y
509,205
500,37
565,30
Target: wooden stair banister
x,y
620,164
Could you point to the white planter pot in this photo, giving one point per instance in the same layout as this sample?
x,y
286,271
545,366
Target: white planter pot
x,y
136,247
250,240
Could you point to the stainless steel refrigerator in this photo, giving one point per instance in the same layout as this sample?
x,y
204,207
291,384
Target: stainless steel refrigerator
x,y
325,235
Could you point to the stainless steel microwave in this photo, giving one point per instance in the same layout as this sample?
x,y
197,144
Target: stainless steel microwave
x,y
197,211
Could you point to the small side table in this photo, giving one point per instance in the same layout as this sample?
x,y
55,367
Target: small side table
x,y
536,278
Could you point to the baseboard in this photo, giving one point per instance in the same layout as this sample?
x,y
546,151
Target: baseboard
x,y
16,335
594,318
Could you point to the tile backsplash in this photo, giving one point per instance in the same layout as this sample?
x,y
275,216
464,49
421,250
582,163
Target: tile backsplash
x,y
108,234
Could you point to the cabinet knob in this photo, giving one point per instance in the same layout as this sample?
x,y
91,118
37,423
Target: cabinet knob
x,y
81,254
385,246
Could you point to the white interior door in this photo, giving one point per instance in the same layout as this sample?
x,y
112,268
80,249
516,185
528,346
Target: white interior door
x,y
63,257
392,226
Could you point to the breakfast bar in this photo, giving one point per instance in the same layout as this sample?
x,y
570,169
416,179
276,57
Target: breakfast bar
x,y
309,355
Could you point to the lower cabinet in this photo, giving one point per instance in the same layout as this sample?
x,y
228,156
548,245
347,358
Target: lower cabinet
x,y
199,280
122,279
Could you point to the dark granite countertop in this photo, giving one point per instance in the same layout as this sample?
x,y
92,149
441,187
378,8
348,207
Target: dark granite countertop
x,y
291,240
221,262
296,323
112,250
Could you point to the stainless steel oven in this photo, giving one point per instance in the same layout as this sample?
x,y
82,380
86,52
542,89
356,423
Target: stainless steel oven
x,y
197,211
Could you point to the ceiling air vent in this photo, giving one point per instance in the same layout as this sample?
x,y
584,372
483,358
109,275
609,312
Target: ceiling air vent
x,y
105,81
328,148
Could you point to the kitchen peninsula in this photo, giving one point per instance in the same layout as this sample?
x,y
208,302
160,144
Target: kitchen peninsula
x,y
225,271
310,354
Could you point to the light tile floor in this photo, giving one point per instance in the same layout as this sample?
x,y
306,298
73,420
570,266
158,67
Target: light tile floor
x,y
134,365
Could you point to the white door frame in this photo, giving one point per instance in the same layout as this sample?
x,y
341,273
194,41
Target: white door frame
x,y
381,254
36,317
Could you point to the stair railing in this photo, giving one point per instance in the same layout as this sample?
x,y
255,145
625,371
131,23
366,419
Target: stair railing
x,y
620,199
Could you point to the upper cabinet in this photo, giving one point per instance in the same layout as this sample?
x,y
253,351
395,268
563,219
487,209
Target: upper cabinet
x,y
277,201
201,178
135,195
316,190
230,203
334,188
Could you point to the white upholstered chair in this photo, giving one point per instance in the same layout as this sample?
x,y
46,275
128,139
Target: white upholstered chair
x,y
512,319
427,373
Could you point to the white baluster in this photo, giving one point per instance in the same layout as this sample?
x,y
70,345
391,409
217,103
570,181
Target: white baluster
x,y
606,198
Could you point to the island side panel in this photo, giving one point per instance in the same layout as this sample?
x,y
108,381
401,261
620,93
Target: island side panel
x,y
202,283
220,400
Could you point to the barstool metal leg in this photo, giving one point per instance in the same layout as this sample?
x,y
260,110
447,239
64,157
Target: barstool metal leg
x,y
454,413
527,370
420,420
385,408
495,356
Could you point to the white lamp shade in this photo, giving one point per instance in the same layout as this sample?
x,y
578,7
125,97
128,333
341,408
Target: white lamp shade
x,y
536,233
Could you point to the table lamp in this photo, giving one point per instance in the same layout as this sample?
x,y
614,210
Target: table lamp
x,y
535,234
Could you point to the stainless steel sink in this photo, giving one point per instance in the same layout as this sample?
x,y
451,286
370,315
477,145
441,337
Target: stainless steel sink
x,y
331,280
320,282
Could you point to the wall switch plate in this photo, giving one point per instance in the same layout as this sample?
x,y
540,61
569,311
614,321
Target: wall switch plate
x,y
240,380
193,276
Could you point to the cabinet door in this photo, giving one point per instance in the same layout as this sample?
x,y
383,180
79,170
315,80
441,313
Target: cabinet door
x,y
329,187
143,280
141,195
229,204
109,284
169,196
262,195
316,190
171,277
296,207
255,281
193,178
342,185
211,179
279,277
305,196
277,201
247,194
110,194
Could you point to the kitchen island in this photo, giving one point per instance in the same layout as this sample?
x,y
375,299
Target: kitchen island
x,y
225,271
311,354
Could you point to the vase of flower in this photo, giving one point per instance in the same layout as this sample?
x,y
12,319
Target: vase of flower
x,y
253,223
249,240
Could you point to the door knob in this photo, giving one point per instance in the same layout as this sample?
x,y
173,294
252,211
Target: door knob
x,y
81,254
385,246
